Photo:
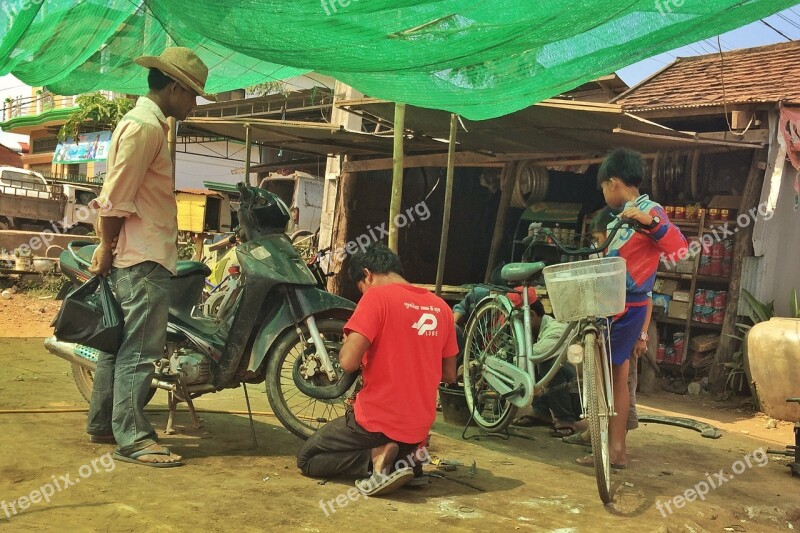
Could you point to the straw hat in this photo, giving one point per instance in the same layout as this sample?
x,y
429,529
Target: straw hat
x,y
182,65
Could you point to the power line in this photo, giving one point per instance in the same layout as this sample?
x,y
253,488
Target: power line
x,y
776,30
790,21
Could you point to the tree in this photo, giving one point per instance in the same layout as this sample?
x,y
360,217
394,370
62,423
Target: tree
x,y
95,111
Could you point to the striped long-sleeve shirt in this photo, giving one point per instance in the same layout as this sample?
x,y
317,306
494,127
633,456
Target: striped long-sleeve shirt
x,y
642,253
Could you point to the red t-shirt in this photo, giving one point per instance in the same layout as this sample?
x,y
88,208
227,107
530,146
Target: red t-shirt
x,y
410,330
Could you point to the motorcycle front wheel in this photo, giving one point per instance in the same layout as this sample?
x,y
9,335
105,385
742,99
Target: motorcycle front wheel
x,y
299,413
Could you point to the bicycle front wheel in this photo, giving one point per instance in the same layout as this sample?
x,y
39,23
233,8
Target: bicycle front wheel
x,y
489,334
598,414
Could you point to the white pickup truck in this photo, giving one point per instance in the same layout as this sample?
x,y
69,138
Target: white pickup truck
x,y
29,202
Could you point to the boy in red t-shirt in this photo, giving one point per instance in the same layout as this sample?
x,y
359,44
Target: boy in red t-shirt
x,y
403,339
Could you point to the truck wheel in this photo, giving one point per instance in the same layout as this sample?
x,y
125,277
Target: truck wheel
x,y
79,230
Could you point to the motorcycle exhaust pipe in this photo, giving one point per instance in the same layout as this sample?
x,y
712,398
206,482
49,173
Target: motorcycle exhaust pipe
x,y
74,353
87,358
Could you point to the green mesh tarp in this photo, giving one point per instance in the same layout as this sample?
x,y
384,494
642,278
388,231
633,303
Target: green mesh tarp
x,y
478,58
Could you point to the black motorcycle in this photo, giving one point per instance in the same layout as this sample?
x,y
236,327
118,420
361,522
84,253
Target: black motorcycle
x,y
281,329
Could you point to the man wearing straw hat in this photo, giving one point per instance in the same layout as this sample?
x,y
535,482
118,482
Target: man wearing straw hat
x,y
138,231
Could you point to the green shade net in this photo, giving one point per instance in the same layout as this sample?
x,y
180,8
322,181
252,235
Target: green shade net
x,y
479,58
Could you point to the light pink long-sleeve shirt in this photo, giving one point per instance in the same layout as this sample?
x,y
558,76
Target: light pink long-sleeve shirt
x,y
139,188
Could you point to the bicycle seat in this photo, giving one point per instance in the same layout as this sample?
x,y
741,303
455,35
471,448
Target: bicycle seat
x,y
521,271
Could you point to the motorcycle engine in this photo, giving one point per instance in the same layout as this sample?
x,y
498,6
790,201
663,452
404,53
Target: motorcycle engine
x,y
193,367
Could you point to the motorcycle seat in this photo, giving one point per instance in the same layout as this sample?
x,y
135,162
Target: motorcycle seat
x,y
190,268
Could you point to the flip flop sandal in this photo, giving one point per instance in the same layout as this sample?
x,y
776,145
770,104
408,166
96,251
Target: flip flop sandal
x,y
102,439
588,462
133,458
562,432
379,484
530,421
577,438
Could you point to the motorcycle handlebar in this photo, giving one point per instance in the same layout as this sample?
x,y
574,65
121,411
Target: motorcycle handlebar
x,y
222,244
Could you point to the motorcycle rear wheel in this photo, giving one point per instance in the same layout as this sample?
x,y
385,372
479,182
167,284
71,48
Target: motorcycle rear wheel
x,y
84,380
299,413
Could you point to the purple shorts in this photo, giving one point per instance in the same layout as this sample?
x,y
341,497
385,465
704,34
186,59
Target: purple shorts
x,y
625,330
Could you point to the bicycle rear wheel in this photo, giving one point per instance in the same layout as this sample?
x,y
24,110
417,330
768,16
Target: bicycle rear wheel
x,y
598,414
489,334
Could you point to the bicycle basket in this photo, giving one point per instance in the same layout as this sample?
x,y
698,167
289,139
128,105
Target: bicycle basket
x,y
593,288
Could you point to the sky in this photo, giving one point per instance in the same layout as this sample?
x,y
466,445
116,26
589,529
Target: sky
x,y
786,26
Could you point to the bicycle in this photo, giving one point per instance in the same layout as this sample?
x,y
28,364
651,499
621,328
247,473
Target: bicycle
x,y
499,364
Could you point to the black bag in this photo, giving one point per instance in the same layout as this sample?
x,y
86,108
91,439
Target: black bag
x,y
91,315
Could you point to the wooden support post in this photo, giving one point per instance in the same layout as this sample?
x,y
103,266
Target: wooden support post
x,y
448,202
247,145
344,202
397,173
506,187
742,248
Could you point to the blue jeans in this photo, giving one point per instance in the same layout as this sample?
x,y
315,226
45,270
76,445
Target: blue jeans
x,y
122,380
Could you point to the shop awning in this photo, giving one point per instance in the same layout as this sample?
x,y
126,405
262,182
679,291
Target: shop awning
x,y
310,138
549,128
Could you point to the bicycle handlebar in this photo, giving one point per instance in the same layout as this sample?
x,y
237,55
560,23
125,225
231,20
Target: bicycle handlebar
x,y
530,239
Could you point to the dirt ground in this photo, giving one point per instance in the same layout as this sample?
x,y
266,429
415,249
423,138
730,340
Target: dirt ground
x,y
527,483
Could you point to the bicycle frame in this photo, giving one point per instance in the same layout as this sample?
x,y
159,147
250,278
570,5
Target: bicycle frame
x,y
520,321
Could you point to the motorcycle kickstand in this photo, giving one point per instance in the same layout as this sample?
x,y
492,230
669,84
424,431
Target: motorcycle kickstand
x,y
172,405
250,414
197,422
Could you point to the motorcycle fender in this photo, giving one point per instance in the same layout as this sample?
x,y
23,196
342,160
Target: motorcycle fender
x,y
312,302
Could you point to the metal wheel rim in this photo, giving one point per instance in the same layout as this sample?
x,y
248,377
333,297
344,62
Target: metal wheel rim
x,y
481,327
313,412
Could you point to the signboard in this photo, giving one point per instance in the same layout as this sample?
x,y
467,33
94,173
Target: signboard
x,y
89,148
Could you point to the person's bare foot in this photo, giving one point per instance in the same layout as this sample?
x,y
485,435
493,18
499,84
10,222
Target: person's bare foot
x,y
159,455
383,457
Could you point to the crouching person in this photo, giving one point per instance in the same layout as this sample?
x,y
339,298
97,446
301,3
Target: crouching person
x,y
403,338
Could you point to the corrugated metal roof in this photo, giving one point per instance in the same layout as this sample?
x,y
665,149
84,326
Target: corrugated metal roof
x,y
752,75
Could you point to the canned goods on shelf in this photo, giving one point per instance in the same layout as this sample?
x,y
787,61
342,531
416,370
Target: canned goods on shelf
x,y
713,214
680,213
716,266
699,297
721,300
661,353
